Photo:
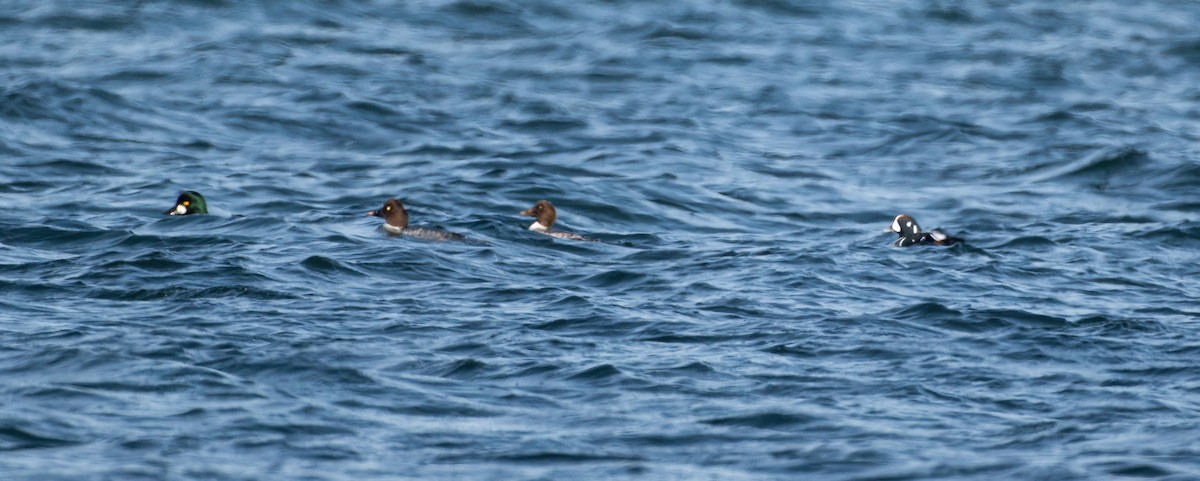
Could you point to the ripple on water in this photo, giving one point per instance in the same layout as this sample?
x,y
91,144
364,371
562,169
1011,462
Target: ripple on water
x,y
739,316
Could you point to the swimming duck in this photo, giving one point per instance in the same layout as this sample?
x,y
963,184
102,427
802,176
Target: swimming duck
x,y
189,202
545,214
910,233
396,222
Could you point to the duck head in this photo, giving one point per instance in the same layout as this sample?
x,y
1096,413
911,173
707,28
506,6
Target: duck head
x,y
905,225
189,202
545,214
393,214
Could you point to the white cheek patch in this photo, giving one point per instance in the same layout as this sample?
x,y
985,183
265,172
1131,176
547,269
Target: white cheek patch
x,y
896,225
180,210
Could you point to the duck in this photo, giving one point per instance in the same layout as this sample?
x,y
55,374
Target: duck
x,y
911,234
545,214
189,202
395,219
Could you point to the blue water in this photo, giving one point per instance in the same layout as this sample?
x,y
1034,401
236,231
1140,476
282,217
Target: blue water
x,y
741,316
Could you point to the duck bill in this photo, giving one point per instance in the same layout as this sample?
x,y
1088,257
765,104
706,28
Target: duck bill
x,y
374,213
527,212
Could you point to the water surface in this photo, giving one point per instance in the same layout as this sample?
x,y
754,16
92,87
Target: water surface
x,y
741,316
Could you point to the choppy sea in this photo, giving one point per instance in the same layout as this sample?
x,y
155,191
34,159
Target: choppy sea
x,y
741,314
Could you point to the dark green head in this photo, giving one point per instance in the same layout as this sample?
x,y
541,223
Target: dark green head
x,y
189,202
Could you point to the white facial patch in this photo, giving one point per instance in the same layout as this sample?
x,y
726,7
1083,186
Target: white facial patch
x,y
180,210
537,226
896,224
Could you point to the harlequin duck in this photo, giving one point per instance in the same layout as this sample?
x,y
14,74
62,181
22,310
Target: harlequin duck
x,y
189,202
396,222
545,214
910,234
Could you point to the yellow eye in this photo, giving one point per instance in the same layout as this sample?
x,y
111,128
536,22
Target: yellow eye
x,y
388,208
186,203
